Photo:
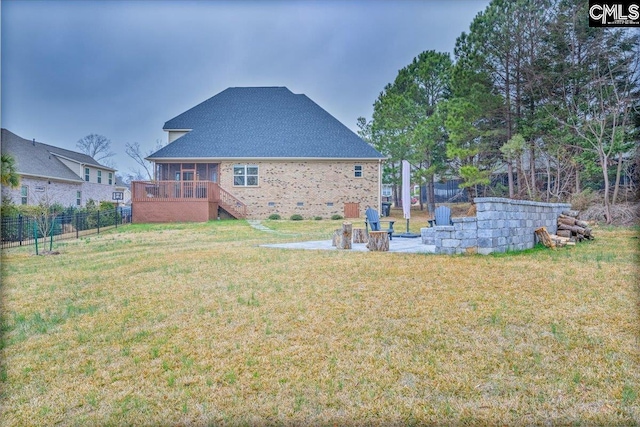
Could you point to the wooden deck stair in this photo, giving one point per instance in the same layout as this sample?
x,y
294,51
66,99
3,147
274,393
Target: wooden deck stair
x,y
231,204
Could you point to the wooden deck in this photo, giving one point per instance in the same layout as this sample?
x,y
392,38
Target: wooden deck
x,y
170,201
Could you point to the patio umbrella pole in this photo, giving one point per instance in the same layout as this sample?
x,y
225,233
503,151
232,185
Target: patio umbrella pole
x,y
408,234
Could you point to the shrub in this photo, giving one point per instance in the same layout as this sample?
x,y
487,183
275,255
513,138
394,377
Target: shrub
x,y
585,199
317,218
274,216
336,217
296,217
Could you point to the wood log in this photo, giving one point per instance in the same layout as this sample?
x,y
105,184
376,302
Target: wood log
x,y
345,241
571,213
573,228
567,220
378,241
544,236
337,236
564,233
360,235
582,224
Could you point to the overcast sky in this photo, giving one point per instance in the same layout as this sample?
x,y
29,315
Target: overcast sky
x,y
122,68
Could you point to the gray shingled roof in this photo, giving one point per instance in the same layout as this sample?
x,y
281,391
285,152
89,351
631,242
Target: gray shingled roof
x,y
38,159
262,122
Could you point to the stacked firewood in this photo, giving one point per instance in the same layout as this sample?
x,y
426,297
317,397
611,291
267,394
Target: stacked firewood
x,y
570,227
570,231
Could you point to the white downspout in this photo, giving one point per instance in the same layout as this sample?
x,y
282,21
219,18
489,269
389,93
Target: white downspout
x,y
379,185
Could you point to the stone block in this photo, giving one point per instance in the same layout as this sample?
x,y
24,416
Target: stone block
x,y
497,223
485,242
470,225
431,249
466,234
484,224
447,251
483,215
467,243
485,251
450,243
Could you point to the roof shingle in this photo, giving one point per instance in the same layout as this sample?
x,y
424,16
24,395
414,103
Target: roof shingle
x,y
262,122
37,159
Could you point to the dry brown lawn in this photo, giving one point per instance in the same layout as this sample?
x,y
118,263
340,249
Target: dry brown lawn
x,y
195,324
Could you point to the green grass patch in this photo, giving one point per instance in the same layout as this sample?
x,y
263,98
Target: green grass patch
x,y
197,324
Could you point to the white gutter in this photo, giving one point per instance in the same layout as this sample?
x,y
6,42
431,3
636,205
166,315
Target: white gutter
x,y
215,159
95,165
52,178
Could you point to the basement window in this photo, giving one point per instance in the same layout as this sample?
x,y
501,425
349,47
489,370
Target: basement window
x,y
245,175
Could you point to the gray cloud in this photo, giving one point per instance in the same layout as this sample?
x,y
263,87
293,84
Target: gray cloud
x,y
123,68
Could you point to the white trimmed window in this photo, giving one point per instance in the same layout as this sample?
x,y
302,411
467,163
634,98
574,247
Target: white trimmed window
x,y
99,177
357,171
24,194
110,178
78,198
245,175
86,174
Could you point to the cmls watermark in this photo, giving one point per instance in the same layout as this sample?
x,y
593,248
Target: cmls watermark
x,y
614,13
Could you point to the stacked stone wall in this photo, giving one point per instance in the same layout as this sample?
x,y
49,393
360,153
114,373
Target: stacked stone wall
x,y
500,225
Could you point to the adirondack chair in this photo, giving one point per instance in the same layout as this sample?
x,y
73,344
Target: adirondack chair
x,y
373,220
443,216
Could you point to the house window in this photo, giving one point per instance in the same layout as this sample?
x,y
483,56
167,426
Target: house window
x,y
357,169
110,178
99,177
386,190
245,176
272,204
78,198
24,194
86,174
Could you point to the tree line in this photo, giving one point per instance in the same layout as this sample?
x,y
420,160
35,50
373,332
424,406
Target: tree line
x,y
534,104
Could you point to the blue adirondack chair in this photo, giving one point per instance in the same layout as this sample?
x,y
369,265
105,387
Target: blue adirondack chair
x,y
443,216
373,220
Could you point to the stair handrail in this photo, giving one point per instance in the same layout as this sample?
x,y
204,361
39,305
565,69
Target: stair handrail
x,y
231,203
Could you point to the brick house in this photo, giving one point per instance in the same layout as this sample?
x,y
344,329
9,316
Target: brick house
x,y
254,151
50,174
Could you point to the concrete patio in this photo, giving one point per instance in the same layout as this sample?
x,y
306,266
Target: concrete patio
x,y
398,244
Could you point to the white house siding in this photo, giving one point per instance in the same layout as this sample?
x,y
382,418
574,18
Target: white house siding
x,y
174,134
78,169
97,192
73,165
51,191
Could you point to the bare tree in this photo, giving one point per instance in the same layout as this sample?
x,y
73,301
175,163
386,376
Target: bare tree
x,y
96,146
134,151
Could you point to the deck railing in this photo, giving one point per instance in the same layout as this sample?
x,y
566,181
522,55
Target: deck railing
x,y
175,191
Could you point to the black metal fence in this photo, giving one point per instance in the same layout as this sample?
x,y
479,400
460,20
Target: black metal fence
x,y
21,230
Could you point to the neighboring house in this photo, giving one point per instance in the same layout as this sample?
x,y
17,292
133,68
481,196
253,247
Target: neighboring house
x,y
50,175
255,151
125,189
